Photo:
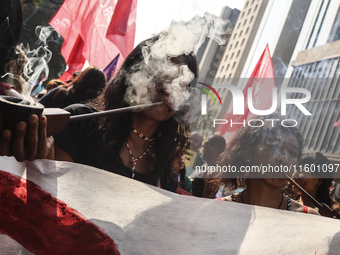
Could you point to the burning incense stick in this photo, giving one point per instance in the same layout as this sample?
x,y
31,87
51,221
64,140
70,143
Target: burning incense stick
x,y
113,111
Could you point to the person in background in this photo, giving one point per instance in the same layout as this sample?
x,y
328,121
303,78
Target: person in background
x,y
336,191
196,140
177,180
28,141
52,84
74,75
318,188
212,150
264,144
83,88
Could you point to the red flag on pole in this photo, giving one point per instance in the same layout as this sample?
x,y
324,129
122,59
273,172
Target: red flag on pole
x,y
95,31
337,124
262,82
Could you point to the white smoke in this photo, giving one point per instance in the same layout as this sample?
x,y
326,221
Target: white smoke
x,y
158,70
36,69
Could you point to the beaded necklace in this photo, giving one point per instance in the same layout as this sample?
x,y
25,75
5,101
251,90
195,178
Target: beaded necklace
x,y
134,160
141,135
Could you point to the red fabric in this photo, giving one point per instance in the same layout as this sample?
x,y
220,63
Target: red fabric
x,y
262,81
4,87
121,30
337,124
183,192
44,224
96,31
305,209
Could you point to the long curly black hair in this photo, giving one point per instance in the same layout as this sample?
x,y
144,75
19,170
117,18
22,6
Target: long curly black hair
x,y
248,137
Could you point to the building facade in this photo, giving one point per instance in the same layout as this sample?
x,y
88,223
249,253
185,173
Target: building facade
x,y
316,68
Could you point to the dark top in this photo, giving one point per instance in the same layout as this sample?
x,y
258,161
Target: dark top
x,y
84,142
56,98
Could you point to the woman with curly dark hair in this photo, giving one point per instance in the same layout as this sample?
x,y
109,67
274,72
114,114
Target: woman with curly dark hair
x,y
319,188
265,144
135,144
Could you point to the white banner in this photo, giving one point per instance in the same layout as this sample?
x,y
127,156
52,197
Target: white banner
x,y
68,208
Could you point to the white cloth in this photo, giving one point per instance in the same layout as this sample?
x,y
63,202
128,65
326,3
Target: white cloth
x,y
142,219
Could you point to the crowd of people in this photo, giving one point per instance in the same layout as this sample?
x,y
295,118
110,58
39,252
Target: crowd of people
x,y
149,145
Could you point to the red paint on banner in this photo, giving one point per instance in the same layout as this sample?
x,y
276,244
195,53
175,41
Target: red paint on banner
x,y
45,225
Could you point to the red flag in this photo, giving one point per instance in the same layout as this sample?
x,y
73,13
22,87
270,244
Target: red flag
x,y
96,31
262,82
337,124
121,30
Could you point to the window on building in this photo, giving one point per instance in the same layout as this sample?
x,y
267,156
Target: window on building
x,y
236,45
325,97
255,8
231,45
234,65
232,55
335,31
227,67
251,19
247,30
234,35
226,57
247,4
245,22
238,53
222,69
242,15
239,35
243,41
337,34
312,41
249,11
239,24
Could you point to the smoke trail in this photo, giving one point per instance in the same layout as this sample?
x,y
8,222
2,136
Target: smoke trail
x,y
157,70
36,69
